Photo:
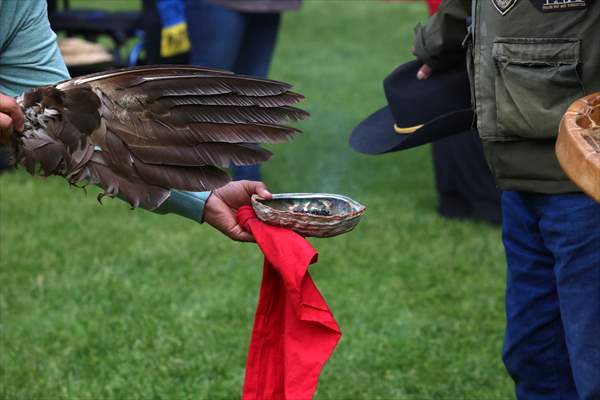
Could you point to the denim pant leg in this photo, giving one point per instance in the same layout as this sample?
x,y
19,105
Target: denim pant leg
x,y
535,353
254,58
216,34
256,51
571,229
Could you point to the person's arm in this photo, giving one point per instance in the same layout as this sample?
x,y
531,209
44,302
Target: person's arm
x,y
29,53
438,43
217,208
29,57
186,204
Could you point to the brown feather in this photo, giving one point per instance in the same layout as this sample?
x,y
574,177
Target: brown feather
x,y
81,106
154,86
134,191
218,154
50,157
42,149
126,76
229,114
148,131
143,131
196,179
115,151
162,104
79,158
67,133
49,97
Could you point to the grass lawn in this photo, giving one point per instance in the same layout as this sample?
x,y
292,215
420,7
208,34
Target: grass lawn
x,y
101,302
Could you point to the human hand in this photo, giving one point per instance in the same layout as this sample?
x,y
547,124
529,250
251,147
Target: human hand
x,y
11,117
221,206
424,72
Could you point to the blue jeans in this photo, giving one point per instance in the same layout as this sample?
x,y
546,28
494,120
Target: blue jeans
x,y
235,41
552,342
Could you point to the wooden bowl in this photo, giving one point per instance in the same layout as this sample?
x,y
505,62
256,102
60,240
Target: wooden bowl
x,y
578,144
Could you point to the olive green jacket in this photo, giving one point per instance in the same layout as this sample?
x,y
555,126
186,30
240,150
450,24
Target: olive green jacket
x,y
526,67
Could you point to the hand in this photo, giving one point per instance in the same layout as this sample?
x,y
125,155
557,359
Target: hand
x,y
11,117
221,206
425,71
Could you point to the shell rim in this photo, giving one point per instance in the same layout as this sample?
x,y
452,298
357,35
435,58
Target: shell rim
x,y
359,209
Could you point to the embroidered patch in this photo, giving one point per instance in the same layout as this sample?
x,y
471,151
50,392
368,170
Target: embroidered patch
x,y
504,6
559,5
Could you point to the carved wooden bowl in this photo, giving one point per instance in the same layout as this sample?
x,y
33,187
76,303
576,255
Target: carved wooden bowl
x,y
578,144
310,214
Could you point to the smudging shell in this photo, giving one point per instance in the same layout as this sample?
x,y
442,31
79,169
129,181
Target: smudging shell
x,y
310,214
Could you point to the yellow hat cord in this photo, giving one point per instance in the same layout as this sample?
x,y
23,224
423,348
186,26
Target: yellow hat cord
x,y
405,131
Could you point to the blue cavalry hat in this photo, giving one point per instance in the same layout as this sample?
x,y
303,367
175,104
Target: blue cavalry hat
x,y
418,111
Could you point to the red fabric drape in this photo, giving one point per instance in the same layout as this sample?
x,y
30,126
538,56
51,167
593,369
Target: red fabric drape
x,y
294,332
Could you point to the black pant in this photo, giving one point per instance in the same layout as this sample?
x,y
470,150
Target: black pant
x,y
465,185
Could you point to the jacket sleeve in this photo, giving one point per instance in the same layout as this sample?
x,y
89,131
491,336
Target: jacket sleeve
x,y
438,43
185,204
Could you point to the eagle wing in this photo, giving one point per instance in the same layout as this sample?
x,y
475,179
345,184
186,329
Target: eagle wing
x,y
139,132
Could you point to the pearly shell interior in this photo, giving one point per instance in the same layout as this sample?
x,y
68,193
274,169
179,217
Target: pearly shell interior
x,y
311,214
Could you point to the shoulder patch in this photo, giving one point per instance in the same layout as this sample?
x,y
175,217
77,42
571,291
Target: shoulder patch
x,y
560,5
504,6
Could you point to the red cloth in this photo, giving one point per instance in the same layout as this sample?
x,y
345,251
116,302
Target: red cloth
x,y
433,6
294,332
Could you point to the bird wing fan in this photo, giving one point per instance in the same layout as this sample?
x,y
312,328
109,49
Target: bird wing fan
x,y
163,127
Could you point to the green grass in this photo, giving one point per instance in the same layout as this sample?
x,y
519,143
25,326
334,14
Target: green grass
x,y
101,302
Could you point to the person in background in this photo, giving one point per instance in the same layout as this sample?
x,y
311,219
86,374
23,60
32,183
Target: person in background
x,y
29,57
165,39
464,183
236,35
529,60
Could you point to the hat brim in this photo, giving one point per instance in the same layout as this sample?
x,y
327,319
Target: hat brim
x,y
376,134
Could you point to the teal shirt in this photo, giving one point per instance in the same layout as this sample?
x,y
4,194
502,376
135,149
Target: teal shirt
x,y
29,57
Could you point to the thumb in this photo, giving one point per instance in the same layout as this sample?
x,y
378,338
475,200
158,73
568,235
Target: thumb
x,y
258,188
237,233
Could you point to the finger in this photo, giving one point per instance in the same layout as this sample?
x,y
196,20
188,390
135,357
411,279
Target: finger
x,y
237,233
5,122
9,106
262,191
259,188
424,72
